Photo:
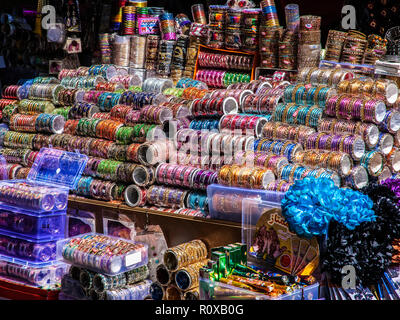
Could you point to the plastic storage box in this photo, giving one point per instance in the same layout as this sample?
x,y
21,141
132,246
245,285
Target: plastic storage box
x,y
36,253
108,255
270,243
40,277
79,225
225,203
46,189
47,226
214,290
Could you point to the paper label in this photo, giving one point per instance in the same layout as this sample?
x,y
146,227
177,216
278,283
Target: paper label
x,y
133,258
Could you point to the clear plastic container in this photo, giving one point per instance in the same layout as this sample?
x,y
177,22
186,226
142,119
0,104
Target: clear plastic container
x,y
22,251
23,223
225,203
40,277
270,243
46,189
79,225
72,250
214,290
311,292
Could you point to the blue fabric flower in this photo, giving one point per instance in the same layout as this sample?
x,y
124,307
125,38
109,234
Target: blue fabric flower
x,y
310,204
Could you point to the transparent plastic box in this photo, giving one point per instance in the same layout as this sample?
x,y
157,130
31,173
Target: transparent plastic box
x,y
37,253
225,203
78,225
23,223
46,188
39,277
214,290
96,260
270,243
311,292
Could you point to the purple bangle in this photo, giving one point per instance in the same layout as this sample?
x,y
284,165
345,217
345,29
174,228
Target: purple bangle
x,y
356,109
335,144
322,143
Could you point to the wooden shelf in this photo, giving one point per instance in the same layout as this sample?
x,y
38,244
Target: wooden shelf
x,y
177,228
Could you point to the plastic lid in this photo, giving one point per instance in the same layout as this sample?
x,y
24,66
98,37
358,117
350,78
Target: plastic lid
x,y
58,167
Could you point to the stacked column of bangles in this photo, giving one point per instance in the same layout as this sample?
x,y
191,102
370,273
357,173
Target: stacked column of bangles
x,y
380,89
79,72
284,131
109,87
156,114
153,152
204,124
260,159
385,143
119,113
293,172
225,61
211,143
281,148
139,99
90,96
156,85
242,124
100,189
126,80
237,94
279,186
35,252
356,108
334,160
14,139
6,102
373,161
37,123
35,106
190,177
10,92
67,97
87,82
45,92
107,100
220,79
368,131
301,94
213,106
107,71
8,112
176,92
45,80
194,93
190,83
24,157
166,197
350,144
393,160
330,77
254,85
391,122
251,178
179,109
297,114
262,103
82,110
